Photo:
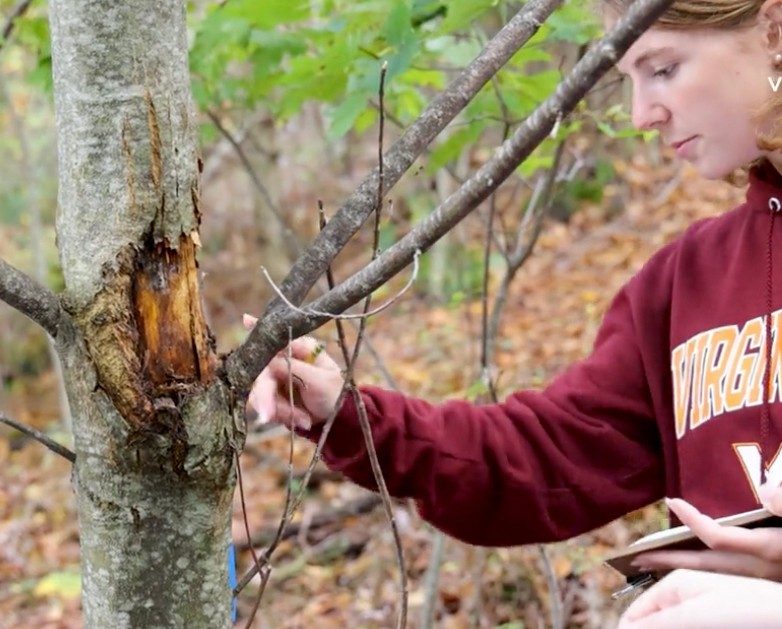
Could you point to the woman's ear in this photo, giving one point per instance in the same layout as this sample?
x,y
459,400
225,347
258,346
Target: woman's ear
x,y
770,20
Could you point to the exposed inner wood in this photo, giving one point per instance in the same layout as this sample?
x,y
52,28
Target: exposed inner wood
x,y
173,337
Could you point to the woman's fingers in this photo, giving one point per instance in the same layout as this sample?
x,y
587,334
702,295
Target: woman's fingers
x,y
771,497
762,542
262,396
726,562
292,416
310,350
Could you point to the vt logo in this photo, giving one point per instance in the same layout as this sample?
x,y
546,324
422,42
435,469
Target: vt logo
x,y
749,457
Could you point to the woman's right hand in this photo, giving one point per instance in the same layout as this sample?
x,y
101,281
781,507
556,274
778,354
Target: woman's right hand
x,y
317,382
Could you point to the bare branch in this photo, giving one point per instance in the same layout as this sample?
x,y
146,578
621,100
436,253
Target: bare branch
x,y
244,365
20,291
363,419
431,580
291,242
311,312
256,561
18,11
522,251
359,506
555,594
40,437
412,143
299,496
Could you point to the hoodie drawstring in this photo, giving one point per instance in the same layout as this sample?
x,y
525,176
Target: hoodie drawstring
x,y
774,206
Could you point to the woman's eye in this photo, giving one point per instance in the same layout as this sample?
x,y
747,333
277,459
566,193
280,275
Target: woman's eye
x,y
666,71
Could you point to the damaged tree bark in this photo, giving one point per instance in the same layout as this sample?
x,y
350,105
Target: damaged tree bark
x,y
155,431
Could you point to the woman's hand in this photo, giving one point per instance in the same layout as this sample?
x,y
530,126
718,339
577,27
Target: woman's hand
x,y
317,382
687,599
732,549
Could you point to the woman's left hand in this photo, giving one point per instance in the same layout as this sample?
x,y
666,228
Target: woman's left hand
x,y
689,600
732,549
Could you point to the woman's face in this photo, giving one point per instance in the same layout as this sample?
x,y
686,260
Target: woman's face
x,y
699,89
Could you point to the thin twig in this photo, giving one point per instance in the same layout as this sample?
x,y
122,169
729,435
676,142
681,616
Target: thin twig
x,y
291,242
555,593
303,486
246,528
431,580
265,572
244,364
383,489
264,564
40,437
359,402
18,11
287,512
312,312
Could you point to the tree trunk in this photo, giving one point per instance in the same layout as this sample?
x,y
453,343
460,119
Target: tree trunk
x,y
154,429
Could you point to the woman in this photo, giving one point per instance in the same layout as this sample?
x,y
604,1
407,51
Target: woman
x,y
670,402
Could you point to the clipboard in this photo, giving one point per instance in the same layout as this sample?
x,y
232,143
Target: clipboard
x,y
677,538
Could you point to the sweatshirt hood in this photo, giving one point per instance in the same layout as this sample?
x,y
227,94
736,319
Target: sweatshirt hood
x,y
765,195
765,187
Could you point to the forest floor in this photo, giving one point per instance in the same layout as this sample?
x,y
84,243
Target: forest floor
x,y
344,574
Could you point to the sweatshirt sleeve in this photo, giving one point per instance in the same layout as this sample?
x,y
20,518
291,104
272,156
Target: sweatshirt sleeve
x,y
540,466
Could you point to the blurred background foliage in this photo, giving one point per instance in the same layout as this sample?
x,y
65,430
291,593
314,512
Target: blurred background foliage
x,y
286,94
295,83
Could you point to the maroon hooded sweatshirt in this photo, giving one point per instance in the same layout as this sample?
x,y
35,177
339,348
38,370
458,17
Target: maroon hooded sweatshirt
x,y
669,403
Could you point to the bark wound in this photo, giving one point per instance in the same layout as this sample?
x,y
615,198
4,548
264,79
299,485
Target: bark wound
x,y
149,341
172,332
110,332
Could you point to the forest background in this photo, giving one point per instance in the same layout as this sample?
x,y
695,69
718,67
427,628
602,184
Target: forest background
x,y
288,100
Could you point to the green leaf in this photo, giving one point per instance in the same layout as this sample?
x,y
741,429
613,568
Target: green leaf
x,y
463,13
573,22
401,61
342,118
365,119
64,584
451,148
398,27
267,13
477,388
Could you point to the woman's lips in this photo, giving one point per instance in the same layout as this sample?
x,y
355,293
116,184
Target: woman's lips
x,y
684,148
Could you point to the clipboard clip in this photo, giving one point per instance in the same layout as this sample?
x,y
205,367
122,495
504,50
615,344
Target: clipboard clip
x,y
637,582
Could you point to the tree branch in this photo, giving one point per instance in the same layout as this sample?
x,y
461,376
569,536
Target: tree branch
x,y
42,438
359,506
291,242
30,298
243,365
269,336
18,11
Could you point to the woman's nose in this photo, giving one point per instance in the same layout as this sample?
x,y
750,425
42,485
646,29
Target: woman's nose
x,y
648,115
